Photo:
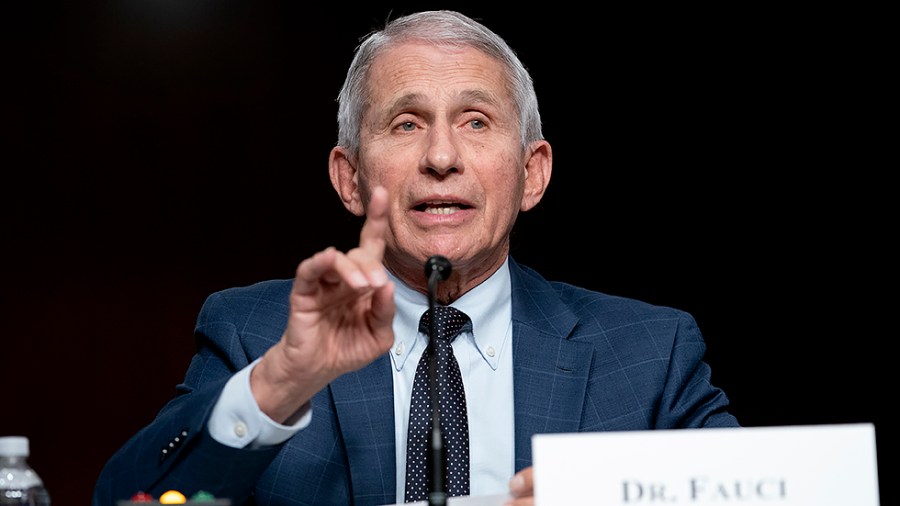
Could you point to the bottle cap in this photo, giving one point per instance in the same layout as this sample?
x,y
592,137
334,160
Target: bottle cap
x,y
14,446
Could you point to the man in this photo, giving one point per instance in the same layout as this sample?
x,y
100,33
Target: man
x,y
300,391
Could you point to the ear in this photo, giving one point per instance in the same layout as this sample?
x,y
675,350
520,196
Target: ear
x,y
538,166
345,179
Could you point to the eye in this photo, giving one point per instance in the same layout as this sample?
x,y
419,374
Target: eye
x,y
407,126
476,124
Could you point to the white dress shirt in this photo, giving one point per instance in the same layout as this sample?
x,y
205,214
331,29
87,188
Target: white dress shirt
x,y
485,361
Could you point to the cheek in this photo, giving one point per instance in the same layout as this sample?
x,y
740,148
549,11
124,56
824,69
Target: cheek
x,y
513,176
382,161
379,175
373,170
507,187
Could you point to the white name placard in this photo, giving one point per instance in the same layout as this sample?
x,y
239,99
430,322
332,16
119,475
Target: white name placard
x,y
809,465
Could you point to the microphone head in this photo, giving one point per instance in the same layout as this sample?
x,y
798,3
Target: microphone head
x,y
438,264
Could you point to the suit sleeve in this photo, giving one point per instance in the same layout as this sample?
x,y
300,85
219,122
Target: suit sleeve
x,y
175,451
689,398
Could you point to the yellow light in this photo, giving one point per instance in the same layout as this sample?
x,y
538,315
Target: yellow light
x,y
172,497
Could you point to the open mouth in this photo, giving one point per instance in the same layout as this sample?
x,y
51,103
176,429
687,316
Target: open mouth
x,y
441,207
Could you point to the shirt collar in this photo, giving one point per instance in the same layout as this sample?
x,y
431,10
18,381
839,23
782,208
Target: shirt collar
x,y
488,305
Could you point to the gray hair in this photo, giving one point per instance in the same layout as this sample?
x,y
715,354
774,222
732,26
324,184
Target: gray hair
x,y
441,27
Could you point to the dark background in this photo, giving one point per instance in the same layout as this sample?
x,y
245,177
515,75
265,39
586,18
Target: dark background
x,y
722,161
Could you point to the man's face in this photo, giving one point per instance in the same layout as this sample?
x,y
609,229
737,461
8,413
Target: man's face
x,y
442,135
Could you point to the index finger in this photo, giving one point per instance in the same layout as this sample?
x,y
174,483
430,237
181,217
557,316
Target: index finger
x,y
374,230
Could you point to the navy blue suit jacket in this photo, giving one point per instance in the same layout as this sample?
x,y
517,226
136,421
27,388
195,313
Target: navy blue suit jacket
x,y
583,361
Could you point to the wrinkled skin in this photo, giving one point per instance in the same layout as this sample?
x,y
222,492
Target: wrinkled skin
x,y
440,170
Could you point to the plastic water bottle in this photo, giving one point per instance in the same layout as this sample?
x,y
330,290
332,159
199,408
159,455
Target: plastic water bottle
x,y
20,485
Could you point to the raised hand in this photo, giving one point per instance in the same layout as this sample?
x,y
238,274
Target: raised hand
x,y
342,309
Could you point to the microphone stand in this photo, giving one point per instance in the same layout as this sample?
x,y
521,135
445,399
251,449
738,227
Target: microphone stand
x,y
437,268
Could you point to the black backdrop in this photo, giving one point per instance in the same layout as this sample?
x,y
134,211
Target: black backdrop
x,y
156,151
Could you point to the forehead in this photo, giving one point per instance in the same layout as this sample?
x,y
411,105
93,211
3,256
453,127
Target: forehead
x,y
418,67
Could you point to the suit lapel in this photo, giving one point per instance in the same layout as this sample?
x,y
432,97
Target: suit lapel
x,y
364,401
549,371
549,376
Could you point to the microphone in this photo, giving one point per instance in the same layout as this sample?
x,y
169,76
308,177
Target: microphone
x,y
437,269
440,267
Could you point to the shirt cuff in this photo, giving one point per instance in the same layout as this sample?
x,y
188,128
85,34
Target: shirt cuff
x,y
237,421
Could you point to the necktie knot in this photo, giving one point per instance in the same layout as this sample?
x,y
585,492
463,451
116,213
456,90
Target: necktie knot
x,y
448,322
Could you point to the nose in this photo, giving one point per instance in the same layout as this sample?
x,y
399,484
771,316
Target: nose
x,y
442,153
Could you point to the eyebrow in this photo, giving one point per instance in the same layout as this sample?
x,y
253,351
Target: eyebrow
x,y
480,97
412,100
404,102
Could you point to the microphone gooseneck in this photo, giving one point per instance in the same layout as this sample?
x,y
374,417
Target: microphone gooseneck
x,y
437,269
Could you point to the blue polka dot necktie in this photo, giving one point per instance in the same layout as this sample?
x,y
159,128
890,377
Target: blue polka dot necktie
x,y
449,322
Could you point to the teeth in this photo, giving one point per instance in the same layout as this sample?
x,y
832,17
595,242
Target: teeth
x,y
442,210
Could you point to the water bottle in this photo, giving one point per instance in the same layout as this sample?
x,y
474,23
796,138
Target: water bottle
x,y
20,485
